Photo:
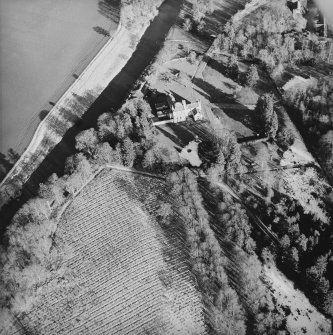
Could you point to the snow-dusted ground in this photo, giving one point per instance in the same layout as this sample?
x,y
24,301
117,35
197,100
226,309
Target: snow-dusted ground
x,y
299,83
303,315
298,154
302,185
249,8
190,152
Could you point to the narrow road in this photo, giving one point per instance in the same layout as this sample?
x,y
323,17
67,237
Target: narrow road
x,y
111,99
281,168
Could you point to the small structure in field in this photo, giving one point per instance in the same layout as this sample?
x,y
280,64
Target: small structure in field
x,y
162,106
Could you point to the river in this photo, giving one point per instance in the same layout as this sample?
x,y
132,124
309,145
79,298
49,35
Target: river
x,y
43,45
111,98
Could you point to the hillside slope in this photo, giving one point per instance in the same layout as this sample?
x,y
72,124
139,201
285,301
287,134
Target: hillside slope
x,y
126,277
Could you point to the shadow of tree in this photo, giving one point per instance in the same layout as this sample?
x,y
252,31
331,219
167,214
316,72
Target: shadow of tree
x,y
221,68
201,40
237,111
43,114
4,161
217,66
207,96
101,31
214,93
110,9
71,114
182,133
173,138
226,9
246,116
178,98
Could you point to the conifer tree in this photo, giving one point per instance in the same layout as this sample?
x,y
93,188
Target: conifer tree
x,y
128,151
252,76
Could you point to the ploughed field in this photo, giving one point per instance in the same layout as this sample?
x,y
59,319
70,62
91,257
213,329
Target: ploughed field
x,y
128,274
43,43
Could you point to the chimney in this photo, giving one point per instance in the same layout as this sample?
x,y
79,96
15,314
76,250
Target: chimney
x,y
184,104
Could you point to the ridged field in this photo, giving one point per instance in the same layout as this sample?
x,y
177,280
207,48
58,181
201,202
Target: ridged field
x,y
126,275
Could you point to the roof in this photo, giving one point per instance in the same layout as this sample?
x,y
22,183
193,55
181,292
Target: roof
x,y
178,107
161,105
193,105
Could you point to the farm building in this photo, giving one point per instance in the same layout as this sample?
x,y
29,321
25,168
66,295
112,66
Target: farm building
x,y
162,106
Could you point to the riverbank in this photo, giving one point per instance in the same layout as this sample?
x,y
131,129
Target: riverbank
x,y
44,46
111,98
74,103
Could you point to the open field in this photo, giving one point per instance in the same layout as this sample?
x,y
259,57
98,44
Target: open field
x,y
128,277
43,44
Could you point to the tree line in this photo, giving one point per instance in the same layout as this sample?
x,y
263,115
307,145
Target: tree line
x,y
230,302
30,259
305,249
134,14
194,16
222,302
312,110
273,35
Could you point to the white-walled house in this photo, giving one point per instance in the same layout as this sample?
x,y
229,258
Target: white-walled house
x,y
168,110
180,111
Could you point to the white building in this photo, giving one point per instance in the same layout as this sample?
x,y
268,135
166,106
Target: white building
x,y
180,111
168,110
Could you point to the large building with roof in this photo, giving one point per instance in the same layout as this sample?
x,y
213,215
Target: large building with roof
x,y
168,109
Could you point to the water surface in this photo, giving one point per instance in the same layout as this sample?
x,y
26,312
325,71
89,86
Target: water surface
x,y
43,45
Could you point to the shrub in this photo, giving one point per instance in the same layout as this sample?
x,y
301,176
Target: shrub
x,y
252,76
285,138
187,25
192,57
